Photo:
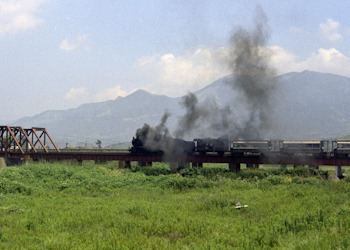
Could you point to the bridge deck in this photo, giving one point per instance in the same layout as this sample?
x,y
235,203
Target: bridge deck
x,y
125,155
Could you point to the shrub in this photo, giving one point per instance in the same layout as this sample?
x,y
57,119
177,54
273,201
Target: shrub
x,y
275,179
346,178
296,180
299,171
264,184
182,183
209,172
152,171
287,180
311,180
213,171
156,170
189,172
179,183
251,174
14,187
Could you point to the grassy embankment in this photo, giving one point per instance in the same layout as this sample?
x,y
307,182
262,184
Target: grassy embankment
x,y
60,206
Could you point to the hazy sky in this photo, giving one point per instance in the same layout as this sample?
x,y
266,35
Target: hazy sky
x,y
58,54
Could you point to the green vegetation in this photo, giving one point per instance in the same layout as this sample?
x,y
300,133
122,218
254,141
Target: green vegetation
x,y
62,206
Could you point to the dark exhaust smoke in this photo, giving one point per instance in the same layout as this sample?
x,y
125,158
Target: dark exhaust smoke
x,y
244,117
253,75
158,139
202,119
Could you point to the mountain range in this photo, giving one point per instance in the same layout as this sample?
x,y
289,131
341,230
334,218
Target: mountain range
x,y
305,105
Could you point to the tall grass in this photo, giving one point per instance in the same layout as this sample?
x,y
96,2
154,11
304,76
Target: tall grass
x,y
58,206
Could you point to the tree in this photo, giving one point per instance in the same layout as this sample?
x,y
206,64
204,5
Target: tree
x,y
98,143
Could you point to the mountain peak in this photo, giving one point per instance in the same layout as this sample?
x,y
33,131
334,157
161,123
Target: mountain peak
x,y
140,92
306,105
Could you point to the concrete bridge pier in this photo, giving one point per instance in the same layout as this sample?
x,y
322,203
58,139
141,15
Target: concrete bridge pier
x,y
124,164
145,163
173,167
197,164
121,164
101,162
28,161
250,165
74,162
176,166
338,172
182,165
2,163
234,167
80,162
141,163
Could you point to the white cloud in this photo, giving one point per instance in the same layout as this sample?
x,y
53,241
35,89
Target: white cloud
x,y
80,41
16,16
175,75
109,94
329,30
327,61
75,95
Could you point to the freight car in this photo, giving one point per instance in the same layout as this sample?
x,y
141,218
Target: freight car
x,y
302,148
250,148
207,145
341,148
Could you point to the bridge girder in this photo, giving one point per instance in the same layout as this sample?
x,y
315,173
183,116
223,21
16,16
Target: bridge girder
x,y
14,140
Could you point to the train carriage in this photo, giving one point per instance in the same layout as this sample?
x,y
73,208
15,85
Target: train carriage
x,y
341,148
313,148
250,148
210,145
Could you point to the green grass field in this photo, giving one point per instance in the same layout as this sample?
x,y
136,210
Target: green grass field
x,y
62,206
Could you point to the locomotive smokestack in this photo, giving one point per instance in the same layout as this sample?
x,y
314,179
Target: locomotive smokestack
x,y
158,139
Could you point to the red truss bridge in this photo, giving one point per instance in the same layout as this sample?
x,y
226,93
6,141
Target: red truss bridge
x,y
36,143
16,141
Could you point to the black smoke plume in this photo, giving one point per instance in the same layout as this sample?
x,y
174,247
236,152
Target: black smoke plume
x,y
158,139
203,118
245,117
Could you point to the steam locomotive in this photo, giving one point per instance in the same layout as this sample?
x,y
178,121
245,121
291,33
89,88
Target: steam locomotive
x,y
251,148
182,147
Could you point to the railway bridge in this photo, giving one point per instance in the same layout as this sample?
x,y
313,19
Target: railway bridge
x,y
37,144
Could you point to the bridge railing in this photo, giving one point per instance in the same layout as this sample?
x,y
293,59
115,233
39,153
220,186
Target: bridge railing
x,y
24,141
